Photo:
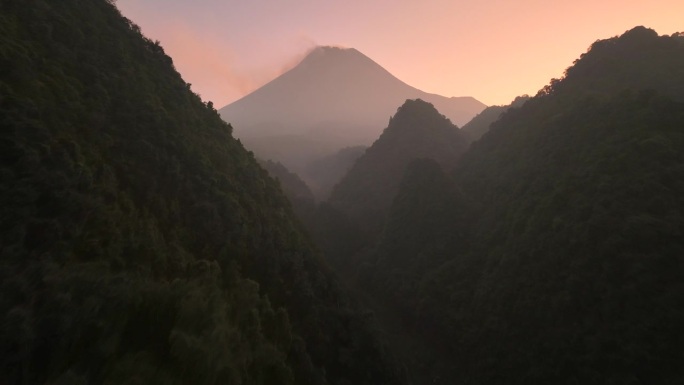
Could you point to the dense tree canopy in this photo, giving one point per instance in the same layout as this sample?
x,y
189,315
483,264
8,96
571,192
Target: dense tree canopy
x,y
140,242
553,252
479,125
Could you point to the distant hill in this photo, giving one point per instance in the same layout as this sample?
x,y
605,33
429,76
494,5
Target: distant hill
x,y
479,125
140,243
335,94
417,130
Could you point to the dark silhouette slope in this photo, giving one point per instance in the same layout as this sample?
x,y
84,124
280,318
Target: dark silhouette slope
x,y
428,216
294,188
638,60
417,130
337,94
140,242
327,171
571,267
479,125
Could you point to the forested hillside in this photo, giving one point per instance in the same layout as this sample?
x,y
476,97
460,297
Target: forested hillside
x,y
553,252
294,188
417,130
479,125
140,242
576,251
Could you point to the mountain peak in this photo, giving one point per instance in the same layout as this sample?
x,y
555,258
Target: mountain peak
x,y
327,55
417,108
331,48
639,59
418,115
335,93
640,32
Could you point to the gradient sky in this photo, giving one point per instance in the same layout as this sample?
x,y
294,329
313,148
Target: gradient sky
x,y
492,50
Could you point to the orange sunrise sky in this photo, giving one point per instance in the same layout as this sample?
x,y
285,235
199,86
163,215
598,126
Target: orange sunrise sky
x,y
492,50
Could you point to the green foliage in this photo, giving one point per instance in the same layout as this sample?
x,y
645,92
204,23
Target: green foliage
x,y
140,242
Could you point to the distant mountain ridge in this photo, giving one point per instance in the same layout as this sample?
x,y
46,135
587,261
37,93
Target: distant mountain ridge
x,y
337,94
416,131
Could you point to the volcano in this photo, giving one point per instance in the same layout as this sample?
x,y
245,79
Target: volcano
x,y
335,96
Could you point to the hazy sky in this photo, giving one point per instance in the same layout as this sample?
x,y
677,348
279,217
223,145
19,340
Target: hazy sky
x,y
492,50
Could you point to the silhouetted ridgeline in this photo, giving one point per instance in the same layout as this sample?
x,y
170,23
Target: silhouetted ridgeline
x,y
341,95
417,130
294,188
553,252
479,125
140,242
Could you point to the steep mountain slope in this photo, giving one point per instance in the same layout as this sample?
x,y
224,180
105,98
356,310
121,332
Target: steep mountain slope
x,y
428,216
571,272
417,130
335,93
325,172
140,242
296,152
294,187
581,260
334,98
479,125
